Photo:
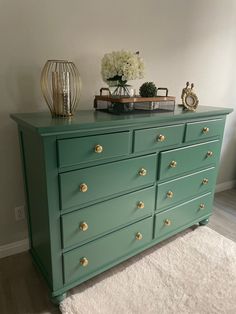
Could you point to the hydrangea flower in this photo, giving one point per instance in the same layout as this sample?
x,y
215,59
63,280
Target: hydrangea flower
x,y
121,66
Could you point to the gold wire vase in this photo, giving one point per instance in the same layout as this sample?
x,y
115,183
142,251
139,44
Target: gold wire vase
x,y
61,87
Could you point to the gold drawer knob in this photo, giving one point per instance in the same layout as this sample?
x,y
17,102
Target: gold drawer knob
x,y
83,187
173,164
161,138
83,226
202,206
142,172
98,149
167,222
205,181
209,154
138,236
169,194
84,261
140,204
205,130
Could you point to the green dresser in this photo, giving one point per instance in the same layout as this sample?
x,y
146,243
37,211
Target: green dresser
x,y
101,188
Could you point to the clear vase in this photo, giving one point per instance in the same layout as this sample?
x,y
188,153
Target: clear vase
x,y
121,89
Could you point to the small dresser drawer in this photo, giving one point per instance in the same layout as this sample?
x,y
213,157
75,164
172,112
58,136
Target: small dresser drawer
x,y
90,184
91,257
204,129
85,224
182,160
92,148
172,219
181,189
157,138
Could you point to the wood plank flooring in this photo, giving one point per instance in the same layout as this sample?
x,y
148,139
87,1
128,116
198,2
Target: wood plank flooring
x,y
223,219
23,290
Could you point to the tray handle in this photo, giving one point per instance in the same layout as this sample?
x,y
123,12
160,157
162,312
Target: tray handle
x,y
163,88
105,89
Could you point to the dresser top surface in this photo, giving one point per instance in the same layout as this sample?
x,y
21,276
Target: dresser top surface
x,y
43,123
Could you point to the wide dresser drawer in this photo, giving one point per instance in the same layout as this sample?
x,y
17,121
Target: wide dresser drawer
x,y
90,184
87,223
181,189
182,160
157,138
172,219
92,148
204,129
91,257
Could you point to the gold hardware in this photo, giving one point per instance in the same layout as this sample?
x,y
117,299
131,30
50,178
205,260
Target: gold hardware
x,y
83,226
205,181
98,149
84,261
161,138
83,187
142,172
167,222
209,154
202,206
140,205
173,164
205,130
169,194
139,236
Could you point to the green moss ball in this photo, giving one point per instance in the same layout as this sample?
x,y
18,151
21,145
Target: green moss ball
x,y
148,89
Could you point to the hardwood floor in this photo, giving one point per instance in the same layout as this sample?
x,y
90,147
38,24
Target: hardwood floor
x,y
23,290
223,219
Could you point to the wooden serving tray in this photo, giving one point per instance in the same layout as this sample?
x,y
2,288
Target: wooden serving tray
x,y
135,99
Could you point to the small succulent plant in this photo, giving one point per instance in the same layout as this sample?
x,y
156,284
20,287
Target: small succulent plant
x,y
148,89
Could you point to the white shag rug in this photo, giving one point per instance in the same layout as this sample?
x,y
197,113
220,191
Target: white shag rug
x,y
193,273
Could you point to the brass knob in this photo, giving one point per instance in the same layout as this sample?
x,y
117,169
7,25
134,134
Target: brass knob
x,y
173,164
138,236
83,187
202,206
142,172
205,130
98,149
161,138
209,154
167,222
140,205
83,226
169,194
205,181
84,261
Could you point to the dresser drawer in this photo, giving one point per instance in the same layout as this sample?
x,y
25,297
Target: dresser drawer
x,y
87,223
90,184
91,257
183,188
170,220
204,129
91,148
157,138
185,159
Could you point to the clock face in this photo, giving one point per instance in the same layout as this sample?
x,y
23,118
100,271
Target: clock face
x,y
190,101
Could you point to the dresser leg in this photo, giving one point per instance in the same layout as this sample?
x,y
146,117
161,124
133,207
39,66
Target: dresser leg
x,y
204,222
58,298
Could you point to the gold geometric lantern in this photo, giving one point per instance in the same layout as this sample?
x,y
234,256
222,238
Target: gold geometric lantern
x,y
61,87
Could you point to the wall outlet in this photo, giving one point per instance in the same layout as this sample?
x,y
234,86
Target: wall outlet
x,y
20,213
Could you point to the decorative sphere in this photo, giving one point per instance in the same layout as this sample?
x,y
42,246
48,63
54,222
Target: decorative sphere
x,y
148,89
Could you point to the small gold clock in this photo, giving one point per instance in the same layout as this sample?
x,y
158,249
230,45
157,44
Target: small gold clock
x,y
189,98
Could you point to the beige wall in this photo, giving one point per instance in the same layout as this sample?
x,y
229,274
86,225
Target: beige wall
x,y
179,40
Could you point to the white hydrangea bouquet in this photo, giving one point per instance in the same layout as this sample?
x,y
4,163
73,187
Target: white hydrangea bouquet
x,y
119,67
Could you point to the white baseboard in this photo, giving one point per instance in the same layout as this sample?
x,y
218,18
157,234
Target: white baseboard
x,y
14,248
225,186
